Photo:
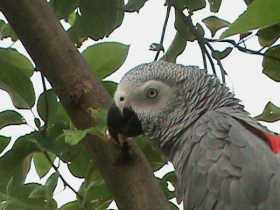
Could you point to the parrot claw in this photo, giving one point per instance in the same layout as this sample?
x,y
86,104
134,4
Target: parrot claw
x,y
117,139
123,143
126,154
122,140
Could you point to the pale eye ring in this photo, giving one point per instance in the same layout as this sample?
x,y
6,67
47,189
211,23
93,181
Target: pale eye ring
x,y
151,93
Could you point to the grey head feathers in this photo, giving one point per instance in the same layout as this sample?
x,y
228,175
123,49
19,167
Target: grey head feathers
x,y
187,92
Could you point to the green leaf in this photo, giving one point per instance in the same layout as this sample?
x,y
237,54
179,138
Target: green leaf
x,y
170,177
56,113
271,66
271,113
80,161
12,58
268,36
71,19
183,27
51,183
10,186
219,55
164,187
37,122
18,85
10,117
19,199
244,35
61,116
76,32
46,191
47,106
4,141
110,86
176,48
74,136
68,152
100,117
173,206
38,192
259,14
152,154
48,141
6,31
16,162
63,8
94,189
100,19
73,205
215,5
214,24
200,30
42,164
134,5
106,57
192,5
97,194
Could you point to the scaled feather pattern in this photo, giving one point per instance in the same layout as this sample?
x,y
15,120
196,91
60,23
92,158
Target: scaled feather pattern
x,y
223,158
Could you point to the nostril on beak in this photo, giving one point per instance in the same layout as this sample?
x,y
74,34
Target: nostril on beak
x,y
121,98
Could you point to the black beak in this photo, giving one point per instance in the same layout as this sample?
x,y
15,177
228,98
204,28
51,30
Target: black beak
x,y
126,123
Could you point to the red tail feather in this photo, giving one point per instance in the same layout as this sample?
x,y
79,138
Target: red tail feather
x,y
274,142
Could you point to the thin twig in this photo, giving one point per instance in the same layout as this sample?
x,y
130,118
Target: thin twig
x,y
243,49
260,50
65,183
223,72
201,41
163,31
211,62
203,49
246,39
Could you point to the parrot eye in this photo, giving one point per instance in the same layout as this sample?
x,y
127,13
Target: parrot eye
x,y
151,93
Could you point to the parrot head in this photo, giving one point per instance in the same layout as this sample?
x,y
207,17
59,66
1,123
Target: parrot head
x,y
159,99
150,98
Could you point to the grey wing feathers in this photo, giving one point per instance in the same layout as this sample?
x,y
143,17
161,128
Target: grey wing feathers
x,y
227,168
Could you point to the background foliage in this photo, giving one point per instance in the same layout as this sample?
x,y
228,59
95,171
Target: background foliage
x,y
55,139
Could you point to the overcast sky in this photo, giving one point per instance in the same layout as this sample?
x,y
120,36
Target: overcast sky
x,y
139,31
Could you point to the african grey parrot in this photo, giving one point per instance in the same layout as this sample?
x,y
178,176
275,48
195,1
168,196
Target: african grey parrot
x,y
223,158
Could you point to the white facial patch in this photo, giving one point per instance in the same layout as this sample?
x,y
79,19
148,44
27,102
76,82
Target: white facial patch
x,y
139,97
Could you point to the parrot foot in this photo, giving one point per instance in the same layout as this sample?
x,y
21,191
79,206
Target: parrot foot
x,y
126,155
122,142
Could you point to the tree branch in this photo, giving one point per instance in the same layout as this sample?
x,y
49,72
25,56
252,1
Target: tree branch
x,y
223,72
133,185
80,197
243,49
201,42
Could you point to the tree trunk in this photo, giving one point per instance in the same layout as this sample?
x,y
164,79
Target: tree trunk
x,y
133,185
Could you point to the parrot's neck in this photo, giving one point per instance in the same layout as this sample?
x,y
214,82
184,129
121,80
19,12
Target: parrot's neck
x,y
207,93
204,93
